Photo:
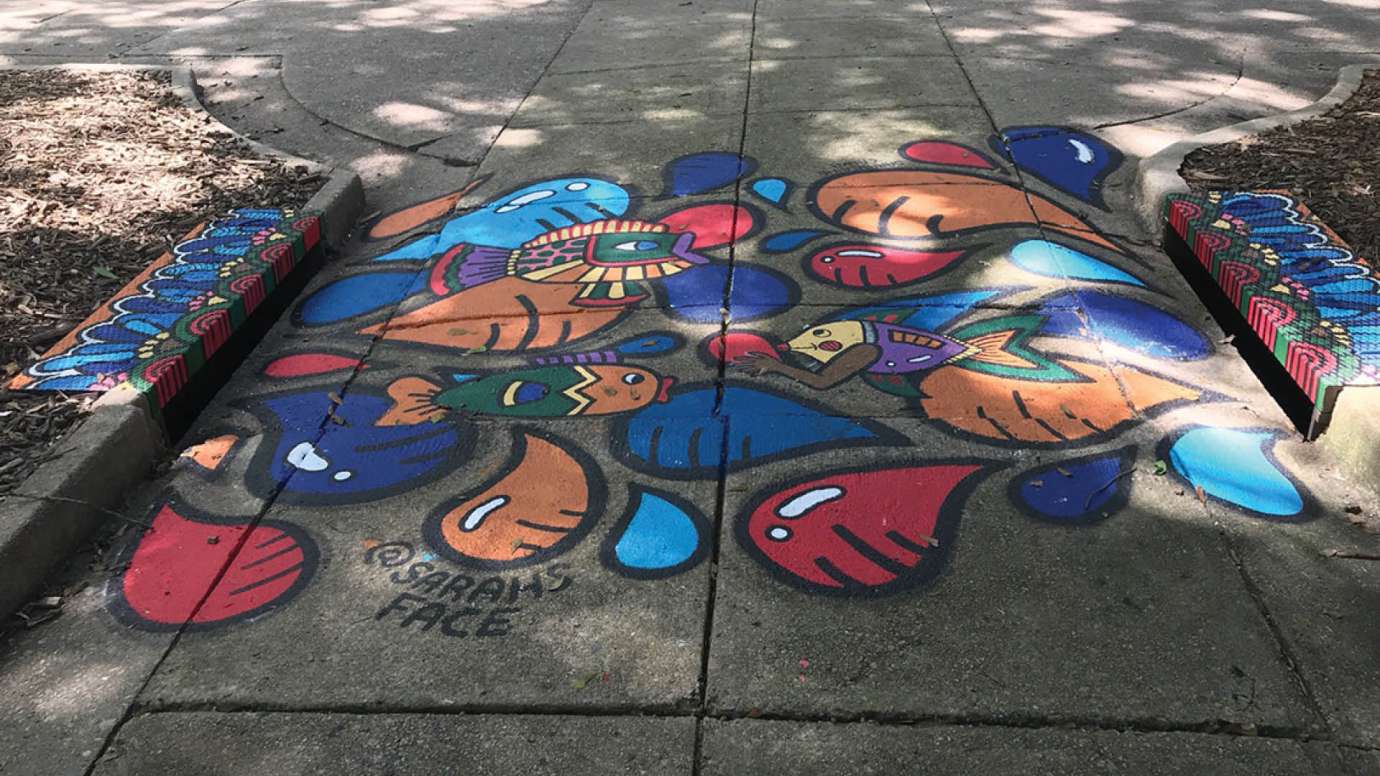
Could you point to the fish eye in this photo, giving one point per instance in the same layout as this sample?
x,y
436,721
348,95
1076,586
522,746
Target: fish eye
x,y
635,245
633,378
577,186
778,533
820,332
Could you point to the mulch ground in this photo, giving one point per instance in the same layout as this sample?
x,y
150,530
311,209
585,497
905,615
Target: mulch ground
x,y
1331,163
100,173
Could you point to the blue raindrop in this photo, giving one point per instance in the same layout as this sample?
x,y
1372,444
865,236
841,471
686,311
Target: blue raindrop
x,y
1129,323
1233,465
1082,490
758,292
660,537
1070,160
1053,260
784,242
698,173
773,190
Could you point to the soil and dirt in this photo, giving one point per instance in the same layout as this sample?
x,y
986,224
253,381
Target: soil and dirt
x,y
1331,163
100,173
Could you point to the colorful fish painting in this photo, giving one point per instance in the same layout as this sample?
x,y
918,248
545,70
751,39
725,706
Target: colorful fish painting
x,y
557,391
983,378
862,532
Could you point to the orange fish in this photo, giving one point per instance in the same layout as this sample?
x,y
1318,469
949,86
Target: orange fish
x,y
909,204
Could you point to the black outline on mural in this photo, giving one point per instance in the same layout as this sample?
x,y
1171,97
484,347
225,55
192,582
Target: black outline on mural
x,y
1120,497
882,436
950,515
998,142
1307,512
261,483
120,608
608,554
594,511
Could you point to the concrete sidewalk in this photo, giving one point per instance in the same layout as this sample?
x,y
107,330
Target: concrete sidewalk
x,y
726,386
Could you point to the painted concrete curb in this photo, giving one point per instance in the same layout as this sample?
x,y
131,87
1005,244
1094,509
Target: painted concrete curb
x,y
121,441
1355,427
1157,176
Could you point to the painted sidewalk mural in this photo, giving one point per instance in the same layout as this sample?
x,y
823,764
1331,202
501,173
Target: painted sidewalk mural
x,y
577,303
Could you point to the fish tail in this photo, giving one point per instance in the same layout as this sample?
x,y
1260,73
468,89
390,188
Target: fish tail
x,y
466,266
1000,346
414,402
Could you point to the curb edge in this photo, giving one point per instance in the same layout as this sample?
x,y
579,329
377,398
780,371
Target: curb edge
x,y
1157,176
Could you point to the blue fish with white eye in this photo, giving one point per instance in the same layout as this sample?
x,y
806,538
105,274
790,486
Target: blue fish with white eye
x,y
350,460
1070,160
521,215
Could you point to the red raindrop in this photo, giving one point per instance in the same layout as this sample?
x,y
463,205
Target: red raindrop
x,y
303,364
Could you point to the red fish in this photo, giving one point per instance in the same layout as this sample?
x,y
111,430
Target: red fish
x,y
869,532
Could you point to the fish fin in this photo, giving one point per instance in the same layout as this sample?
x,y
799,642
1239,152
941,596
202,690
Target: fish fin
x,y
896,385
610,294
414,402
1000,346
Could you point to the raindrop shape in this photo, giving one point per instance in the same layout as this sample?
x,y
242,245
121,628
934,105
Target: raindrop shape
x,y
864,265
546,497
773,190
759,292
1237,466
1127,322
702,172
860,532
1042,257
659,536
1076,491
1070,160
184,556
355,295
784,242
946,153
306,364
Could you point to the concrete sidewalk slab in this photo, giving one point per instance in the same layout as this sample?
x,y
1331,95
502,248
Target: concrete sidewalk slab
x,y
649,41
858,83
835,37
1096,594
644,94
818,749
205,743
